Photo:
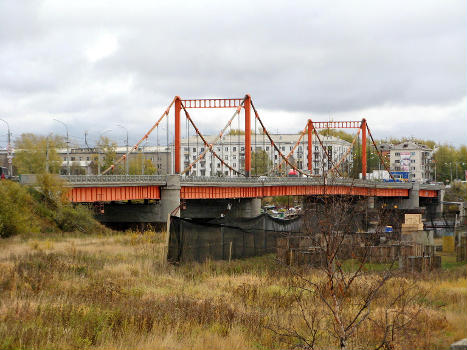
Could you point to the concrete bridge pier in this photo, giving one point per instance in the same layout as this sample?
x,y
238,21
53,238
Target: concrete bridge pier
x,y
170,198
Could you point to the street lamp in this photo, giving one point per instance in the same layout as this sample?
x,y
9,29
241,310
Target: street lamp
x,y
99,152
67,146
126,156
10,168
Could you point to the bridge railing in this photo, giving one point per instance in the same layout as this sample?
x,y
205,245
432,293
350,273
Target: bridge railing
x,y
108,179
263,180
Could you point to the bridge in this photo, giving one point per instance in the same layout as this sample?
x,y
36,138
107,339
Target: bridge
x,y
240,194
159,195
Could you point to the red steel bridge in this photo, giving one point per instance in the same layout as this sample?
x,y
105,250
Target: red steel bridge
x,y
110,188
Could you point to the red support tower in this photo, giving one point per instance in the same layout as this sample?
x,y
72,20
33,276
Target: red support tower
x,y
363,148
247,105
310,148
178,107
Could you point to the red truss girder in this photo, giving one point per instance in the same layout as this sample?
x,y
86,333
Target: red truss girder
x,y
213,103
109,194
211,192
338,125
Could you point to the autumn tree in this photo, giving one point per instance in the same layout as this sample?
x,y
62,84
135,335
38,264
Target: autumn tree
x,y
35,154
260,163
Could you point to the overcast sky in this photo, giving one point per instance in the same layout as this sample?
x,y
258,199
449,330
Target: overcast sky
x,y
94,64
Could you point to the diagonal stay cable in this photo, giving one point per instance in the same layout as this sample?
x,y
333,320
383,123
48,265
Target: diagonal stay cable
x,y
325,152
274,145
141,140
335,167
294,147
379,154
209,147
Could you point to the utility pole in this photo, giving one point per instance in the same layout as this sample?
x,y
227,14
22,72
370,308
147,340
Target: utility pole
x,y
67,146
9,149
126,156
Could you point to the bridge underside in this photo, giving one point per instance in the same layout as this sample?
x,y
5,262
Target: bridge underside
x,y
124,193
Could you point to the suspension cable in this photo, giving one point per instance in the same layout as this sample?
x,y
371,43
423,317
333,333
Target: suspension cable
x,y
273,144
335,167
125,156
326,153
294,147
379,154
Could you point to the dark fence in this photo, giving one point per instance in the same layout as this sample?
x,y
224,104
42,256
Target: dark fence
x,y
226,238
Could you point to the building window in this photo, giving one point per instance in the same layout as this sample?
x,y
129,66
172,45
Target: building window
x,y
234,149
412,161
201,149
398,161
194,149
186,149
234,165
234,157
226,157
194,157
226,172
397,154
72,158
242,149
267,148
412,153
87,158
283,148
226,149
218,165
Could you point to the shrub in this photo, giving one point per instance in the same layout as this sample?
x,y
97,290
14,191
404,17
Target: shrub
x,y
15,209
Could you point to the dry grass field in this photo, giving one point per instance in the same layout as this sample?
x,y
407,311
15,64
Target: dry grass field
x,y
116,292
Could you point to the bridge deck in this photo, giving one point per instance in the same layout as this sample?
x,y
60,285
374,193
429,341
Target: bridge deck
x,y
128,187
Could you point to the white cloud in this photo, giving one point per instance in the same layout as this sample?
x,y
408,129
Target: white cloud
x,y
104,46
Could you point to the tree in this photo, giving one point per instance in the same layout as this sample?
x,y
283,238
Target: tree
x,y
35,152
260,162
139,166
107,154
329,306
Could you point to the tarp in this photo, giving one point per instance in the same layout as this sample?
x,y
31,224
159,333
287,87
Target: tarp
x,y
224,238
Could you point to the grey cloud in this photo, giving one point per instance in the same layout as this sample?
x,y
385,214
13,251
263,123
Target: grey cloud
x,y
315,58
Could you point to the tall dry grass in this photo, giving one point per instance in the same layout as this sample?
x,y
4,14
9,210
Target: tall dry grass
x,y
117,292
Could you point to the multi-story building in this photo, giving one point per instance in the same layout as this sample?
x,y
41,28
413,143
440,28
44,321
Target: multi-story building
x,y
231,148
412,158
86,160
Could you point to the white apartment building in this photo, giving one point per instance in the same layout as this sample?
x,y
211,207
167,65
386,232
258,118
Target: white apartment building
x,y
412,158
232,150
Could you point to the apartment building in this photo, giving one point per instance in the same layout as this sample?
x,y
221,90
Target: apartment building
x,y
413,158
231,148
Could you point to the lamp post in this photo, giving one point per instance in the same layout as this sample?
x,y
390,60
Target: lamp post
x,y
9,156
99,152
126,156
67,146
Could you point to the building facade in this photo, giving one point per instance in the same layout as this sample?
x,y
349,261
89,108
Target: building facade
x,y
413,158
231,148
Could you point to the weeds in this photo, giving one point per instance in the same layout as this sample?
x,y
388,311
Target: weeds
x,y
84,291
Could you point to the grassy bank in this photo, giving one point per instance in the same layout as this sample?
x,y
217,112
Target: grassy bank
x,y
116,292
42,209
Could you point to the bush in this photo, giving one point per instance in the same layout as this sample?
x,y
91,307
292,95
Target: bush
x,y
78,218
15,210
